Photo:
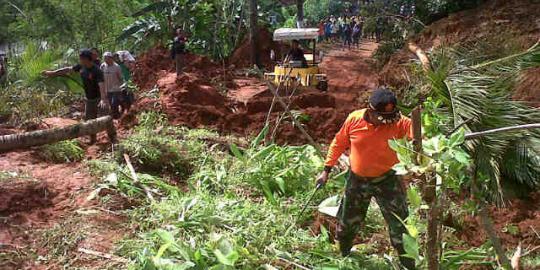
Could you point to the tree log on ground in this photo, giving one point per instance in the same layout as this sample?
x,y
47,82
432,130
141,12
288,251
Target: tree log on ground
x,y
47,136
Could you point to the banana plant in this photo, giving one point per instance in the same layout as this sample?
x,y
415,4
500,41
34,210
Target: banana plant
x,y
211,24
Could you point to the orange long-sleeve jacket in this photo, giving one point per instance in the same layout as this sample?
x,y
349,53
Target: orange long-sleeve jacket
x,y
370,154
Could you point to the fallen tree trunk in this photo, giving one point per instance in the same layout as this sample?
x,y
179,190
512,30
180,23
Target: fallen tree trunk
x,y
422,56
47,136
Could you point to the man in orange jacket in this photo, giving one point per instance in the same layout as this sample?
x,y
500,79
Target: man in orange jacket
x,y
366,133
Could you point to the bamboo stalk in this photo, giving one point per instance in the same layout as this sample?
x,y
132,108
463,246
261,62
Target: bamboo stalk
x,y
426,64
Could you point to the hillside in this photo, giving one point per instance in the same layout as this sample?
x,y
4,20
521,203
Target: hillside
x,y
513,25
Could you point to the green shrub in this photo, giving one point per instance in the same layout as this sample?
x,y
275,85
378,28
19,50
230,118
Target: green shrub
x,y
205,231
60,152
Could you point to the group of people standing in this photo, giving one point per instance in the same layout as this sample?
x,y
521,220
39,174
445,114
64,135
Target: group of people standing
x,y
103,82
344,29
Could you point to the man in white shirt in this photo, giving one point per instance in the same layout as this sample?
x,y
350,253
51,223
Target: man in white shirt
x,y
112,74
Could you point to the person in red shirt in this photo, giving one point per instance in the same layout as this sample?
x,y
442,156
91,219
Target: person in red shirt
x,y
321,31
366,134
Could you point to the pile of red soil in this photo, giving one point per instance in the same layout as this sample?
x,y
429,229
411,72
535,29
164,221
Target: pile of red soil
x,y
150,64
241,57
528,87
209,96
519,222
192,101
507,21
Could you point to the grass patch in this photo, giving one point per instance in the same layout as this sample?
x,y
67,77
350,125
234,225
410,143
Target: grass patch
x,y
240,204
61,152
155,148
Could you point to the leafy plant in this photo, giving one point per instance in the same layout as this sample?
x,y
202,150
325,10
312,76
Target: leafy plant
x,y
156,22
60,152
277,170
117,177
478,98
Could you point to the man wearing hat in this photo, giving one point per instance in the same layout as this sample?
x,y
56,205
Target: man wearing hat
x,y
366,134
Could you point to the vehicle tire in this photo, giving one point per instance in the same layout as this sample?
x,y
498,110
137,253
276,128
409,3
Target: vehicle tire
x,y
322,85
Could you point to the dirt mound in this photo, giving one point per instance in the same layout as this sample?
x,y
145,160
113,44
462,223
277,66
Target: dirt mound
x,y
150,65
519,222
209,96
241,55
36,197
192,101
507,21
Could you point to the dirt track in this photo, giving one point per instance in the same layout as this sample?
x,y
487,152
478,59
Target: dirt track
x,y
351,73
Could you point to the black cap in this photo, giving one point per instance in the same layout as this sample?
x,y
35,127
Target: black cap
x,y
382,97
86,54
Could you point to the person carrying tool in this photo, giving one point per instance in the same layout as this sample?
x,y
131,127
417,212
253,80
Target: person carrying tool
x,y
93,84
366,133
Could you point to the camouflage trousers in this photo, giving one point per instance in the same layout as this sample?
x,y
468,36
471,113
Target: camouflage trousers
x,y
390,197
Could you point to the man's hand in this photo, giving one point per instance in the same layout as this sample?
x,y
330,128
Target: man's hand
x,y
323,178
104,104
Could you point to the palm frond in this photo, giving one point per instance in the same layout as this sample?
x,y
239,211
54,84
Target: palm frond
x,y
481,95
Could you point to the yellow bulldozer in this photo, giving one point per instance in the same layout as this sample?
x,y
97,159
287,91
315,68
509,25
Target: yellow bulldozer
x,y
289,72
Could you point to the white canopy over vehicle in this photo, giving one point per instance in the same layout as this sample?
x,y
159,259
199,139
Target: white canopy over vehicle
x,y
282,34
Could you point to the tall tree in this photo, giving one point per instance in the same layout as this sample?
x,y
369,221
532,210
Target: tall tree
x,y
299,13
253,32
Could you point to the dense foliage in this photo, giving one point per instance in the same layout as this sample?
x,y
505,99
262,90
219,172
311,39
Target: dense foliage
x,y
476,93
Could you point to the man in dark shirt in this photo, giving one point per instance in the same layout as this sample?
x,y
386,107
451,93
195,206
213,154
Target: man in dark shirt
x,y
296,54
93,84
178,50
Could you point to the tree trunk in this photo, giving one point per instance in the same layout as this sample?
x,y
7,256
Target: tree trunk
x,y
253,32
430,195
299,13
41,137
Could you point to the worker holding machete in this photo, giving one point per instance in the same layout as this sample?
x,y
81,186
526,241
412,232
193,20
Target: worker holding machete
x,y
366,133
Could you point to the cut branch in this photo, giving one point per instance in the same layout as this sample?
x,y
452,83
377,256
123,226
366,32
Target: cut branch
x,y
422,56
135,178
500,130
296,123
